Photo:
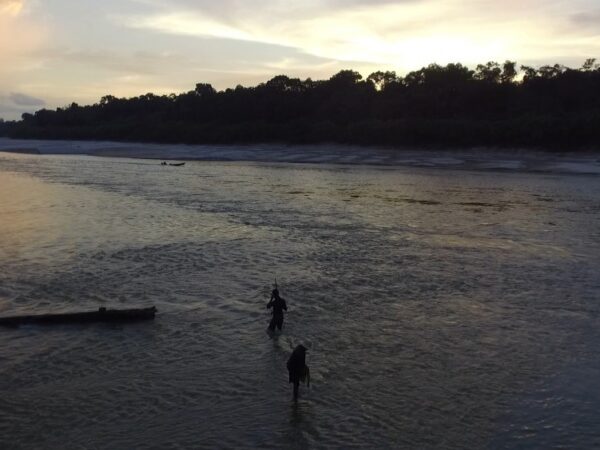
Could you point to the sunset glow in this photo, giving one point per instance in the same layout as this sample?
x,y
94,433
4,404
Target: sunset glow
x,y
63,51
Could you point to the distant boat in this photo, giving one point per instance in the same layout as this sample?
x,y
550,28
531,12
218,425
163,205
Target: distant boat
x,y
102,315
177,164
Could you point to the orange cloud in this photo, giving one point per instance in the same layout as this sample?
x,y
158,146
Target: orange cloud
x,y
19,36
11,7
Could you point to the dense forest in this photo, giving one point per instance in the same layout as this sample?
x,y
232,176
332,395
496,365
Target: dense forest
x,y
501,105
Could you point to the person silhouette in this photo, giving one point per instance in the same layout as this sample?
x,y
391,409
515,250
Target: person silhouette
x,y
278,304
297,368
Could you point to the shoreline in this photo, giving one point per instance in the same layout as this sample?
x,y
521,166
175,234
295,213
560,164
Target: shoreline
x,y
479,158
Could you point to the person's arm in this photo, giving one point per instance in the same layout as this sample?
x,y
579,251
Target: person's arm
x,y
284,304
270,304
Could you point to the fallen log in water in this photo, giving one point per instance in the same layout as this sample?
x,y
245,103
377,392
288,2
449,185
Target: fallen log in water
x,y
102,315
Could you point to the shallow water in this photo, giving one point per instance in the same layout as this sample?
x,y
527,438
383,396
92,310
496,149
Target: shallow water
x,y
442,308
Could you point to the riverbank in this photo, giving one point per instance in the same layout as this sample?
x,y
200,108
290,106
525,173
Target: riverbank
x,y
471,159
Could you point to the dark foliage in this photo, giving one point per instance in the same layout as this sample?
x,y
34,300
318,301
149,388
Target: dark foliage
x,y
450,106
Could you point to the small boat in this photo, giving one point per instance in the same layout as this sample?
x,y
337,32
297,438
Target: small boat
x,y
102,315
177,164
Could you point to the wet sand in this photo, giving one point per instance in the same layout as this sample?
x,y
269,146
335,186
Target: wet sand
x,y
520,160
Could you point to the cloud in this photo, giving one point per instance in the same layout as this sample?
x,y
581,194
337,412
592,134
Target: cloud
x,y
588,20
16,103
11,7
113,60
25,100
191,24
19,35
225,10
400,34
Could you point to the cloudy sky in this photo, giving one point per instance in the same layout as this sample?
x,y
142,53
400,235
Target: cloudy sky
x,y
53,52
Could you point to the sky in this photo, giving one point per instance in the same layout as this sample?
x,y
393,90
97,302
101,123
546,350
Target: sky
x,y
55,52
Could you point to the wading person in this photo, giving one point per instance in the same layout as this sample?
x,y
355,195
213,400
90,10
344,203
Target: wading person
x,y
278,305
297,368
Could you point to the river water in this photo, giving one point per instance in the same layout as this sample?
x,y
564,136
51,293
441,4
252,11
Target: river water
x,y
442,308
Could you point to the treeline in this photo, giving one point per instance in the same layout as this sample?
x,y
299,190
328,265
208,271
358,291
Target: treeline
x,y
554,107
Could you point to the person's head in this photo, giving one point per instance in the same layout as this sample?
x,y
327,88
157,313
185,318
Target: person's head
x,y
300,348
275,292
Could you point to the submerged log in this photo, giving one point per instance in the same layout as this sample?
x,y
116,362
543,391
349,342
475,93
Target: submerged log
x,y
102,315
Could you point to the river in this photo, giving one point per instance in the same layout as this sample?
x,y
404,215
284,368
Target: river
x,y
442,308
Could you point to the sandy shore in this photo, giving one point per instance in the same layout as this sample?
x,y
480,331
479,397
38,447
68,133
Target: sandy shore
x,y
474,159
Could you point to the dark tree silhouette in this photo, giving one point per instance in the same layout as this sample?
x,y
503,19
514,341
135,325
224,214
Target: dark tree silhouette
x,y
380,80
509,71
489,72
552,106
